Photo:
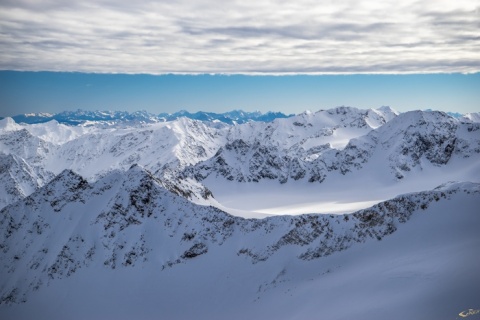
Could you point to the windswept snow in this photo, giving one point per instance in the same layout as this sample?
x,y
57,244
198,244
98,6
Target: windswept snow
x,y
125,247
337,195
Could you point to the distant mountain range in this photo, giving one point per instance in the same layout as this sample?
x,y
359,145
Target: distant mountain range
x,y
84,117
192,154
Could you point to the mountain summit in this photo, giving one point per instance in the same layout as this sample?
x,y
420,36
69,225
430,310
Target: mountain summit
x,y
83,117
282,219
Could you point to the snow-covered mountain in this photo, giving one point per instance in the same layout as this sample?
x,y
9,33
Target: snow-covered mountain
x,y
290,148
83,117
18,179
471,117
307,149
129,223
340,144
164,208
232,117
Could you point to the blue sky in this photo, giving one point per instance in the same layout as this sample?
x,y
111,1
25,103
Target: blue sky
x,y
25,92
303,54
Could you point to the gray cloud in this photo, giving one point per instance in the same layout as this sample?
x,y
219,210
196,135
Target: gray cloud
x,y
265,36
334,31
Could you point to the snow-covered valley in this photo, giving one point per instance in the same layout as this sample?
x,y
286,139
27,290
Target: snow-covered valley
x,y
338,214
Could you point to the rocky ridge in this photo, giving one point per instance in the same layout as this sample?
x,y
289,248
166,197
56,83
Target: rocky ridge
x,y
184,152
127,219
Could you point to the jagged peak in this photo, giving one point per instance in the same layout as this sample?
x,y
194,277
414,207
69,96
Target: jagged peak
x,y
68,174
137,173
418,117
306,113
9,124
9,160
61,187
21,133
81,117
137,169
387,109
471,117
6,120
345,110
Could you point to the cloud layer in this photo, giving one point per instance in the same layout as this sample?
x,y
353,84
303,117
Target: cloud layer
x,y
208,36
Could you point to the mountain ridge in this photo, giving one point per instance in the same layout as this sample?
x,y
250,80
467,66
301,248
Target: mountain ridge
x,y
339,143
115,220
84,117
285,219
107,117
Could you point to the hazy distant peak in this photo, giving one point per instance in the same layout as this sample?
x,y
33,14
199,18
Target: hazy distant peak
x,y
84,117
471,117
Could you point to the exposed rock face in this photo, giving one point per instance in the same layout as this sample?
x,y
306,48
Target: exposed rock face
x,y
411,140
128,219
118,197
184,152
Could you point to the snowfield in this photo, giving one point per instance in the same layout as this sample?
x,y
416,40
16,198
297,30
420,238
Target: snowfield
x,y
336,214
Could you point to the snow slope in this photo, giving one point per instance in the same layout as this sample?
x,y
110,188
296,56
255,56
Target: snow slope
x,y
471,117
146,219
125,247
412,152
311,157
17,179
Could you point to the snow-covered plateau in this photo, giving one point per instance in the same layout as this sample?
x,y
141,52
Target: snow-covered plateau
x,y
335,214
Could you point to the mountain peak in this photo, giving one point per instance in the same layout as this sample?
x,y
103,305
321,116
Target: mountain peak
x,y
139,172
68,176
387,109
80,117
149,211
471,117
9,124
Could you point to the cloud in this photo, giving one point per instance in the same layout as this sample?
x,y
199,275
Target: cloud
x,y
207,36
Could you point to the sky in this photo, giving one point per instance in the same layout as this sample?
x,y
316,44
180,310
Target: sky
x,y
26,92
213,44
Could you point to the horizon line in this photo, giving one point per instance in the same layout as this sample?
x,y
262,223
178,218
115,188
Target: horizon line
x,y
252,73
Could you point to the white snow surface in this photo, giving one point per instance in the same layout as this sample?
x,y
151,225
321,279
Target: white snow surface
x,y
355,157
471,117
365,214
75,250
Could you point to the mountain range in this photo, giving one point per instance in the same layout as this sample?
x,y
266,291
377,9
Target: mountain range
x,y
341,213
83,117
